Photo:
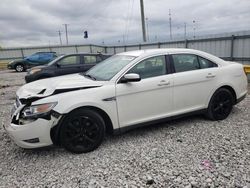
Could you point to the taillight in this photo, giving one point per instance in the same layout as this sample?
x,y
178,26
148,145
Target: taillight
x,y
246,69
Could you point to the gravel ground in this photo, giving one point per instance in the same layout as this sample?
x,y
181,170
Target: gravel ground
x,y
190,152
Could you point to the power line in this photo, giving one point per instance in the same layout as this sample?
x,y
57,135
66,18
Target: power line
x,y
129,17
92,18
126,23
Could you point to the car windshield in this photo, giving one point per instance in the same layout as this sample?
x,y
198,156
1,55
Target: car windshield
x,y
109,67
54,60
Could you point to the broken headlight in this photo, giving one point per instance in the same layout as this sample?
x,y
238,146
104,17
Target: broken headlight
x,y
36,111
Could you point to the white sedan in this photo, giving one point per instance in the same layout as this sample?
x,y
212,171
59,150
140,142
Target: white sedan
x,y
125,91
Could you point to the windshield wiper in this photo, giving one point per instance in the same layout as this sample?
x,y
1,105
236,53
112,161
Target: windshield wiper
x,y
89,76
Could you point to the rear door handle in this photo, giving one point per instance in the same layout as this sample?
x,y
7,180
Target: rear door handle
x,y
164,83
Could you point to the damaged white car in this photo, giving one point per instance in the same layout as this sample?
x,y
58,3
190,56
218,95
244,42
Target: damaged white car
x,y
125,91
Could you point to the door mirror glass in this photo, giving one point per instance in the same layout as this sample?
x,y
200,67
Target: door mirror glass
x,y
57,65
131,77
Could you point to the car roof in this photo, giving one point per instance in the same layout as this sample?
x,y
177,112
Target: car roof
x,y
151,52
83,53
45,52
156,51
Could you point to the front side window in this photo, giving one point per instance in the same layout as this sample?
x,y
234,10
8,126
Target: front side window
x,y
88,59
151,67
185,62
70,60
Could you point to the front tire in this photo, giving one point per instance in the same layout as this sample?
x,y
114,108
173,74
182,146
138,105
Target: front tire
x,y
82,131
19,68
220,105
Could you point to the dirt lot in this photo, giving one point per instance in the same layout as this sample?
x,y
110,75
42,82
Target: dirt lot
x,y
190,152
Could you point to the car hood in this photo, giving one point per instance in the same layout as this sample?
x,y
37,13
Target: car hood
x,y
16,61
36,67
39,67
46,87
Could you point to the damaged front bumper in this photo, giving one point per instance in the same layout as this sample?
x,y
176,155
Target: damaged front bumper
x,y
31,133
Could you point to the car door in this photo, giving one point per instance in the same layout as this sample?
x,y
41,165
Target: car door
x,y
88,62
148,99
194,79
68,65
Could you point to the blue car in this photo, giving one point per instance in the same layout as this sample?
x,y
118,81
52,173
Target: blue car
x,y
39,58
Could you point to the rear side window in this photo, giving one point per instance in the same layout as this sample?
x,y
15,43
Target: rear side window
x,y
204,63
185,62
89,59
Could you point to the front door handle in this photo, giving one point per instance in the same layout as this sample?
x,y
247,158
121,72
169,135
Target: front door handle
x,y
164,83
210,75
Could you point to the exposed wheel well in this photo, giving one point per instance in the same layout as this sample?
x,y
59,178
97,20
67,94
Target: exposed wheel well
x,y
106,118
232,91
54,133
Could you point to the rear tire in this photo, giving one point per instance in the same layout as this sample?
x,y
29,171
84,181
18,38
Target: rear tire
x,y
82,131
220,105
19,68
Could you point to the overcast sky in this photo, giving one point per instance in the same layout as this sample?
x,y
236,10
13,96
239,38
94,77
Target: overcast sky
x,y
36,22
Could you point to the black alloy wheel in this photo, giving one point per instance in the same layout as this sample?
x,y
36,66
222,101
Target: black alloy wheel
x,y
220,105
82,131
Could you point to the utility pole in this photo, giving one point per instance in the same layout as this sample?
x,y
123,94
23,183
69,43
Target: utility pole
x,y
143,21
66,33
194,28
155,37
185,30
170,25
123,39
59,33
147,29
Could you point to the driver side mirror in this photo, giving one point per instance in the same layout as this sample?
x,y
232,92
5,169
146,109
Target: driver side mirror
x,y
131,77
58,65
